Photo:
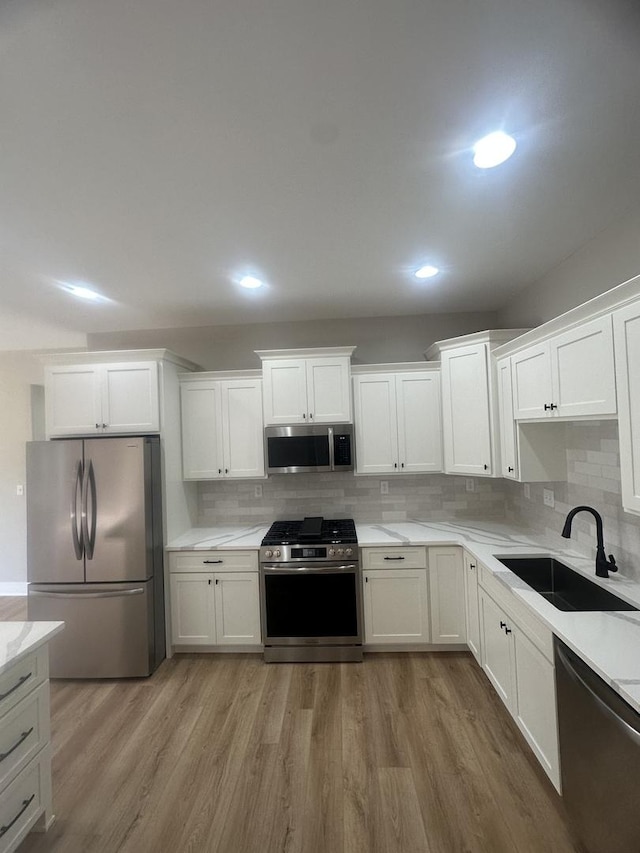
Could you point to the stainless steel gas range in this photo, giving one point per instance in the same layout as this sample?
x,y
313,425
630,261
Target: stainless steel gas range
x,y
310,591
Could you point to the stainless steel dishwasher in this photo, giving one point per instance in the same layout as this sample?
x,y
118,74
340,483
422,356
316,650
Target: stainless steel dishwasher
x,y
599,757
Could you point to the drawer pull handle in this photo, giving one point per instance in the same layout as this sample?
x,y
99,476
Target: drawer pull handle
x,y
19,683
213,561
503,624
394,558
20,740
25,806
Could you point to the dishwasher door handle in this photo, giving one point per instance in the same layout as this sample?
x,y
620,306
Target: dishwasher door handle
x,y
597,693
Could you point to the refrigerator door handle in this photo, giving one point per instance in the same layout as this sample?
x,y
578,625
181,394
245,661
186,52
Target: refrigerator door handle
x,y
114,594
76,533
89,484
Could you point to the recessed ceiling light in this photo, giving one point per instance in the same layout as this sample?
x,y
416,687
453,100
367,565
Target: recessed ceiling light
x,y
250,281
427,271
83,292
493,149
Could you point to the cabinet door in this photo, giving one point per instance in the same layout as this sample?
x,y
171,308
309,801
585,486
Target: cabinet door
x,y
508,458
446,594
497,649
201,430
242,428
375,421
395,606
471,606
328,390
531,377
582,370
192,609
626,325
536,704
285,391
466,410
419,423
237,608
130,397
73,402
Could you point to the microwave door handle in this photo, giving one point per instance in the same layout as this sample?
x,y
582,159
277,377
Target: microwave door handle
x,y
331,448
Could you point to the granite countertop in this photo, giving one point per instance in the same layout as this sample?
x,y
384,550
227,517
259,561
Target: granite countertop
x,y
609,642
17,639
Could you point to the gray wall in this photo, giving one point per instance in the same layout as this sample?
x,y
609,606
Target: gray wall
x,y
378,339
608,259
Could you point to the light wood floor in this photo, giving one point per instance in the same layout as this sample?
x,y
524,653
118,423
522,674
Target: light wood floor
x,y
405,753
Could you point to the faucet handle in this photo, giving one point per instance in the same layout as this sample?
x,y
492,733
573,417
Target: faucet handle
x,y
612,563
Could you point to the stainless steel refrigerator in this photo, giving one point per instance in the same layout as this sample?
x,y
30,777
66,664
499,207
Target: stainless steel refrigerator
x,y
94,553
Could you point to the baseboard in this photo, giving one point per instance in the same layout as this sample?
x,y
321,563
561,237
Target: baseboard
x,y
13,588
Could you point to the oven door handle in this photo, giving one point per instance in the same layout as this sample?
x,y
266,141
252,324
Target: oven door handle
x,y
292,570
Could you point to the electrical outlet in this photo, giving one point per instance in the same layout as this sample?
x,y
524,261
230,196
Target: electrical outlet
x,y
20,489
257,492
548,497
384,487
470,484
527,491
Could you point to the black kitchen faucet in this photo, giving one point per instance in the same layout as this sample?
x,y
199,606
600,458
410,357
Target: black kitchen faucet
x,y
603,566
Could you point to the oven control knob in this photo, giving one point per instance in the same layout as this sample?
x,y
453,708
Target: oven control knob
x,y
276,553
349,552
268,553
340,552
332,552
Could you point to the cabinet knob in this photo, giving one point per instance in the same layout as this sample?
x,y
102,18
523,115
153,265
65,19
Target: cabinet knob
x,y
472,565
486,467
550,407
503,624
507,630
104,426
311,416
97,426
402,464
304,417
219,470
395,464
510,469
209,581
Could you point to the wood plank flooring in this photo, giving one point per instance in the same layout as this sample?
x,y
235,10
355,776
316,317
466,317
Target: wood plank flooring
x,y
404,753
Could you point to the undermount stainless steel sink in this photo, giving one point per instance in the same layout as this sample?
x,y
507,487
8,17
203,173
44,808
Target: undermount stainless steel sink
x,y
562,586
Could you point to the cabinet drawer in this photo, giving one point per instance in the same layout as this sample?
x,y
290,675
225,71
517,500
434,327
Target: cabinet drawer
x,y
213,561
535,630
24,800
24,730
399,557
22,678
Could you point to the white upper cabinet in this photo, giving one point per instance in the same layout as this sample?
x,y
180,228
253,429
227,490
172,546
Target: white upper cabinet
x,y
508,437
466,410
570,375
306,386
626,324
222,434
87,399
397,419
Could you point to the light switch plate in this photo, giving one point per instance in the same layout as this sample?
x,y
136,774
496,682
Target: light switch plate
x,y
384,487
470,484
527,491
257,492
548,497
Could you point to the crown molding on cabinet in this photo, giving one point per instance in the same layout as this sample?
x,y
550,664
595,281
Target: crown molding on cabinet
x,y
395,367
313,352
493,337
116,356
619,296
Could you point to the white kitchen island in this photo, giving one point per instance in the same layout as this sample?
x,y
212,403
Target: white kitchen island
x,y
25,731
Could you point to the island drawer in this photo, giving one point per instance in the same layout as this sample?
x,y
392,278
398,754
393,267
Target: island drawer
x,y
24,800
23,677
24,730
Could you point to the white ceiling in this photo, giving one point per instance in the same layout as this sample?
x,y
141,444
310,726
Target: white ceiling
x,y
155,149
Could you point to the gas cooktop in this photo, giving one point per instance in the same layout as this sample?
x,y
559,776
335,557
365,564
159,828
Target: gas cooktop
x,y
316,530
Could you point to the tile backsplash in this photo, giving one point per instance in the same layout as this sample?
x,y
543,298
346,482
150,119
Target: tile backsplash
x,y
593,478
427,496
593,462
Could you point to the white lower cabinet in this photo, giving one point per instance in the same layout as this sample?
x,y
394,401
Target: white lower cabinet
x,y
395,606
446,595
214,608
472,612
523,676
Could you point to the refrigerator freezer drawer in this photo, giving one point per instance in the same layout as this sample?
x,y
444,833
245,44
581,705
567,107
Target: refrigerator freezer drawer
x,y
109,628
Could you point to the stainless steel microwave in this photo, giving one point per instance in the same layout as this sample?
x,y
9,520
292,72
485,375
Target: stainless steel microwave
x,y
309,447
